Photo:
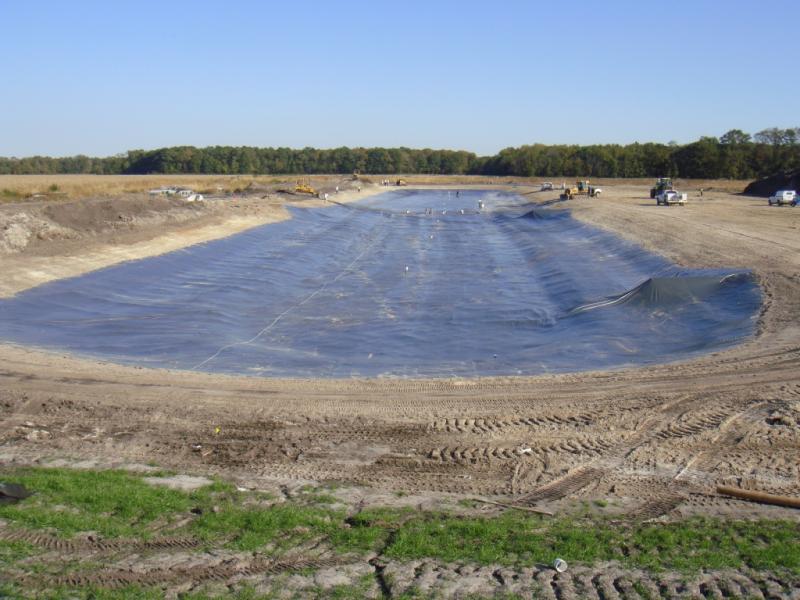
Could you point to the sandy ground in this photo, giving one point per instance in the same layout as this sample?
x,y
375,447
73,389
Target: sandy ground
x,y
655,440
652,442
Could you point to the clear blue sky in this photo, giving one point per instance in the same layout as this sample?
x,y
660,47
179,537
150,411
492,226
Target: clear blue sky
x,y
100,78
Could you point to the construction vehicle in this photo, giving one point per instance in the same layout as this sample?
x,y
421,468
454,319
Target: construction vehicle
x,y
568,193
662,184
303,187
581,188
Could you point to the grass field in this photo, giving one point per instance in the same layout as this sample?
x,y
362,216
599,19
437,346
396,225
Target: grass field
x,y
120,505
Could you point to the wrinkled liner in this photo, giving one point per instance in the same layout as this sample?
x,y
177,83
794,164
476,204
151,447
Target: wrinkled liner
x,y
406,284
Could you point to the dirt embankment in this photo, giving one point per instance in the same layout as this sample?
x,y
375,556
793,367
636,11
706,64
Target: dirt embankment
x,y
46,239
42,227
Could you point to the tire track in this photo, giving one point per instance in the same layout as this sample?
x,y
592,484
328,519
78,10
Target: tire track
x,y
695,424
560,488
83,545
477,454
654,508
429,578
496,425
220,572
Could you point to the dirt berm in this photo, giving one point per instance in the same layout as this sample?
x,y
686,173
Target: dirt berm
x,y
787,180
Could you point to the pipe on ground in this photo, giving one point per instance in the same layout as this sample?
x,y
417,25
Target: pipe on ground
x,y
755,496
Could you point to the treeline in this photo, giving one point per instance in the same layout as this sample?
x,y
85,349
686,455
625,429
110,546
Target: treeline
x,y
735,155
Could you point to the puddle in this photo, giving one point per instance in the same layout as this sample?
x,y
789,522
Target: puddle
x,y
408,283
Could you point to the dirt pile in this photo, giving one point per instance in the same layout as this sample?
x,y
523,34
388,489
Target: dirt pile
x,y
26,225
786,180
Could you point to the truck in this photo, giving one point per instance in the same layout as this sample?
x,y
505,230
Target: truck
x,y
782,197
667,197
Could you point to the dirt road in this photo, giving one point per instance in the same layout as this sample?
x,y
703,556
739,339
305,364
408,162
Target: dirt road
x,y
654,440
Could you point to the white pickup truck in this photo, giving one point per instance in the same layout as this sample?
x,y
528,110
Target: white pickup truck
x,y
783,197
668,197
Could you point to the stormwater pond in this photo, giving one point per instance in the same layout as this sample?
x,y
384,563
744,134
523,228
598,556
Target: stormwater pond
x,y
418,283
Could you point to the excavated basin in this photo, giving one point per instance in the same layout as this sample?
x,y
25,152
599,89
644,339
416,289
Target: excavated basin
x,y
408,283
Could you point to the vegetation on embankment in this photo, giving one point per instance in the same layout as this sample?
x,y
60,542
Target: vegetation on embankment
x,y
122,505
735,155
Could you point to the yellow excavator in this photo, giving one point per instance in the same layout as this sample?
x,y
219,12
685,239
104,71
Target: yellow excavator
x,y
303,187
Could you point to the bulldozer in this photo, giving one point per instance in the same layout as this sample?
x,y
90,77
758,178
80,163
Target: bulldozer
x,y
303,187
581,188
662,184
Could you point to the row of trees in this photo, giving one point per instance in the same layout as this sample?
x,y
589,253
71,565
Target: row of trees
x,y
735,155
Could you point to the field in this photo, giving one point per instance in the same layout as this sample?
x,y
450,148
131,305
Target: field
x,y
16,187
380,487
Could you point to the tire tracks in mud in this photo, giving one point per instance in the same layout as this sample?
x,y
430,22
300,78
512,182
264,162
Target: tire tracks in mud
x,y
605,582
199,573
87,545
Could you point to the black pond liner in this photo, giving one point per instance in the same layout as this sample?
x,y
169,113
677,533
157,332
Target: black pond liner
x,y
408,283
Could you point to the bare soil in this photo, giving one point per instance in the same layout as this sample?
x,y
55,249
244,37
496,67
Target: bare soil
x,y
654,441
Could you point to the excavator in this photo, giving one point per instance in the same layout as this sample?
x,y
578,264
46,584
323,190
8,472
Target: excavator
x,y
303,187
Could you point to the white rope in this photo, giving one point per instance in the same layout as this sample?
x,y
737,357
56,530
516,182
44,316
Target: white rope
x,y
277,319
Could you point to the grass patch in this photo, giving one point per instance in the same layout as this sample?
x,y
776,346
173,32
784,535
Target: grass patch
x,y
11,552
10,195
516,540
118,503
112,503
284,526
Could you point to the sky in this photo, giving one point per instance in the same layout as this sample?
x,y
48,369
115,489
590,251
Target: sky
x,y
101,78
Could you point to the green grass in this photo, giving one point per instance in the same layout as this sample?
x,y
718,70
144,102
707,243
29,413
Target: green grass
x,y
10,552
112,503
515,540
118,503
284,526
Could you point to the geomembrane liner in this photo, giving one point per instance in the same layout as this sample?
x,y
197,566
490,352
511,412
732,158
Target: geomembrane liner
x,y
408,283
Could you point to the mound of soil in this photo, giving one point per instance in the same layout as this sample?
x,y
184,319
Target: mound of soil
x,y
28,224
786,180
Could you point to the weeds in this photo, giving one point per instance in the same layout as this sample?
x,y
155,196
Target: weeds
x,y
118,503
